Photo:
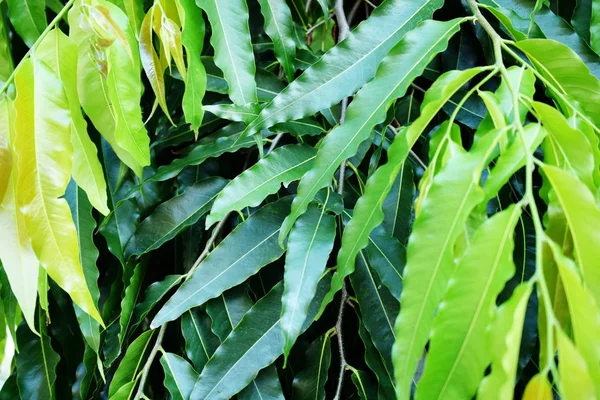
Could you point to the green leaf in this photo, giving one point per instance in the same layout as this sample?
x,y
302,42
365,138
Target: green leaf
x,y
380,366
36,363
579,207
398,205
200,342
405,62
282,166
308,249
227,310
133,287
458,351
223,141
233,48
43,143
251,246
266,386
18,258
365,385
454,193
563,68
152,295
28,17
347,66
506,330
538,388
130,365
81,210
378,308
387,257
280,28
180,377
6,60
173,216
309,384
59,52
192,38
253,344
367,211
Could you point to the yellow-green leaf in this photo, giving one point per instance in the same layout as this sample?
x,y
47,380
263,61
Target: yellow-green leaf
x,y
60,53
18,259
43,143
574,375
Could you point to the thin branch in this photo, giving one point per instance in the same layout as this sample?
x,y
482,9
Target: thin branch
x,y
353,11
343,31
318,24
338,328
42,36
146,371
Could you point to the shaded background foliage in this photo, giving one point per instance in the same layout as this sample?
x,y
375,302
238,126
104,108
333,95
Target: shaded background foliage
x,y
202,241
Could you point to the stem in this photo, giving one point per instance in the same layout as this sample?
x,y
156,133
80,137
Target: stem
x,y
146,371
338,329
50,26
529,196
274,142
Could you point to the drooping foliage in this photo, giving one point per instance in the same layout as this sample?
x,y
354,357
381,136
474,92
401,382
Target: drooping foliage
x,y
297,199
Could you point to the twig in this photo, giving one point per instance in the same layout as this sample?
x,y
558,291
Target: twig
x,y
308,4
42,36
146,371
353,11
342,22
318,24
338,328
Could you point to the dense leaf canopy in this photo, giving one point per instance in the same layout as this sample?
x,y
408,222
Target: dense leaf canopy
x,y
298,199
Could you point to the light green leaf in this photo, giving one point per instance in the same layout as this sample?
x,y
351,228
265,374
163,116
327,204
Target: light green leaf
x,y
28,18
192,38
538,388
60,53
18,258
36,363
574,374
282,166
251,246
233,48
347,66
180,377
309,246
579,207
513,159
505,331
43,143
280,28
458,351
173,216
454,193
367,211
585,314
563,68
253,344
309,384
200,342
406,61
566,147
130,365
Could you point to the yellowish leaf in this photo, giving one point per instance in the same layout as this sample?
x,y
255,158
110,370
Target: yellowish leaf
x,y
43,144
538,388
